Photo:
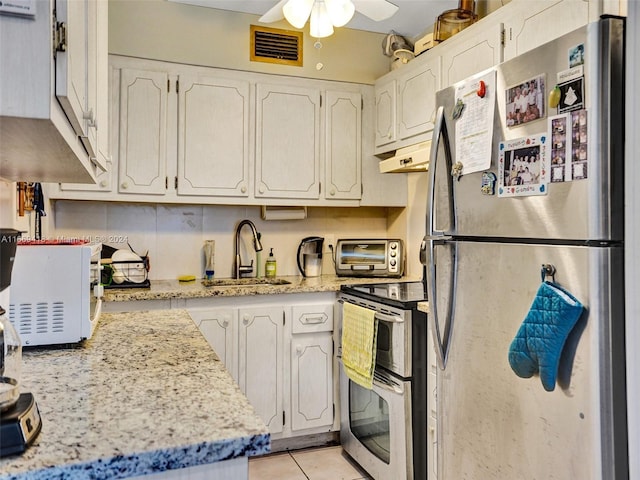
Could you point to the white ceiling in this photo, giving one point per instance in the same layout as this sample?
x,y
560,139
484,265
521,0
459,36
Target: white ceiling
x,y
411,20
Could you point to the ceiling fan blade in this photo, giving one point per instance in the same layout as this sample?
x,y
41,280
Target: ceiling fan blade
x,y
274,14
376,10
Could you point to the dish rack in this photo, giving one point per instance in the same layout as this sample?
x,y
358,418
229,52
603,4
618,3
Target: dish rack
x,y
136,274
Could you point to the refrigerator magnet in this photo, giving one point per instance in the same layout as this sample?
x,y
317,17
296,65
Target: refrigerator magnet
x,y
523,166
571,95
525,101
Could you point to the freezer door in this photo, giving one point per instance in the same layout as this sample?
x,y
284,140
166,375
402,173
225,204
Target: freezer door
x,y
493,424
590,208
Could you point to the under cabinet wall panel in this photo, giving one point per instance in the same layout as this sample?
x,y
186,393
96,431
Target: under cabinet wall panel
x,y
287,142
311,381
213,137
143,132
343,124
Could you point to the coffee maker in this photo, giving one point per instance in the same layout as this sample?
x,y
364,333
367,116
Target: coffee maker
x,y
310,256
20,420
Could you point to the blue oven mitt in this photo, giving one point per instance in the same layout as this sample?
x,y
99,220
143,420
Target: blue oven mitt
x,y
538,344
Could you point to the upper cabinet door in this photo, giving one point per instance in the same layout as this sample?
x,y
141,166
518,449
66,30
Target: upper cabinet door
x,y
143,132
72,66
468,54
213,137
287,142
417,99
385,113
343,166
536,23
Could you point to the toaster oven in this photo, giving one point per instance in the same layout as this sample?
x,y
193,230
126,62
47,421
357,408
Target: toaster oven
x,y
356,257
55,295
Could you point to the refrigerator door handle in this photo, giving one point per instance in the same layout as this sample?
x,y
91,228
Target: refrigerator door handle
x,y
441,337
439,132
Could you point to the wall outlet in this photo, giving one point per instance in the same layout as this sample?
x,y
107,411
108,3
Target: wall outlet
x,y
329,240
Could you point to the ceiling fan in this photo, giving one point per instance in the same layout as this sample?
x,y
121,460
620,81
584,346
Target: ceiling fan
x,y
326,14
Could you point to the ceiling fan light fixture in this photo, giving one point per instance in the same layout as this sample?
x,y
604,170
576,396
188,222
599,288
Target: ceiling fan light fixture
x,y
320,25
340,11
297,12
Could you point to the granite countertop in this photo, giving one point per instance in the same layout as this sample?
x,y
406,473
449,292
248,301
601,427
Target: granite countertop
x,y
166,289
145,394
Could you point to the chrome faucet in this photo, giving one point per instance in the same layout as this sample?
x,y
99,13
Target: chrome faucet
x,y
240,269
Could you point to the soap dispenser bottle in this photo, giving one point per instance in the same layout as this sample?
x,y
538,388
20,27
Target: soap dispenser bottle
x,y
270,265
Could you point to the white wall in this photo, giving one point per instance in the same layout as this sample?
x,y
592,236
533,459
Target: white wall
x,y
162,30
174,235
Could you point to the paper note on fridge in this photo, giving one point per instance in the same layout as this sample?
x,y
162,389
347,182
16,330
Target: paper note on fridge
x,y
474,127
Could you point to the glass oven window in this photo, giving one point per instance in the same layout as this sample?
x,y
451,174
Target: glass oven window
x,y
368,253
369,420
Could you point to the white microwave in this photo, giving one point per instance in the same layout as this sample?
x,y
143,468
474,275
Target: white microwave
x,y
55,294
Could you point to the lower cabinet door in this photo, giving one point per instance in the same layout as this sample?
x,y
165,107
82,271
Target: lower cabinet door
x,y
218,326
311,381
260,362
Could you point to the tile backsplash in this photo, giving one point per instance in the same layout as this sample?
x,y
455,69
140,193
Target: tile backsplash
x,y
174,235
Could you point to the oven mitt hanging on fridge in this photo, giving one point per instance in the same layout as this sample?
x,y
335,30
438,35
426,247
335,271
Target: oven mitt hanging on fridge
x,y
538,344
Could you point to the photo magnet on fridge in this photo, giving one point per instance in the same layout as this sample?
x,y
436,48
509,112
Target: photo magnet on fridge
x,y
523,166
571,95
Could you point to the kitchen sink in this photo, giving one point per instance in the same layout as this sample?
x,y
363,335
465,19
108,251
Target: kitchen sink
x,y
244,282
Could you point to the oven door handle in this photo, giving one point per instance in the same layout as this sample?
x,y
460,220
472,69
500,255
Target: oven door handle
x,y
389,318
381,316
381,381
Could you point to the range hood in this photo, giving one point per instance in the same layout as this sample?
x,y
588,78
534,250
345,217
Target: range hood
x,y
414,158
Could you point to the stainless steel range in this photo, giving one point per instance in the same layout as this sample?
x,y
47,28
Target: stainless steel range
x,y
385,429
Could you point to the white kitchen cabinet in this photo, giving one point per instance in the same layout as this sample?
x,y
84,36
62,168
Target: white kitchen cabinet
x,y
49,97
219,327
287,142
213,136
343,145
260,364
280,350
534,23
142,159
385,111
406,103
200,135
417,98
475,49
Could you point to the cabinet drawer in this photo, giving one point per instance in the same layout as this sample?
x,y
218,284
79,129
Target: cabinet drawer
x,y
312,318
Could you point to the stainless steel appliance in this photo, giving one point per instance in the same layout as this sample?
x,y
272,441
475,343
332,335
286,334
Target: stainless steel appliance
x,y
309,256
56,296
385,429
484,256
360,257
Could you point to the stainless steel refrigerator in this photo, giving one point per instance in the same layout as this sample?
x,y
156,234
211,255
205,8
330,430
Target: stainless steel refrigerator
x,y
546,210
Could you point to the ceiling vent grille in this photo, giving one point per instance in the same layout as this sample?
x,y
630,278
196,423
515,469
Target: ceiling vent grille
x,y
273,45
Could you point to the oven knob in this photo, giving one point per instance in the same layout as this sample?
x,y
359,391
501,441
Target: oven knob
x,y
393,245
392,262
392,254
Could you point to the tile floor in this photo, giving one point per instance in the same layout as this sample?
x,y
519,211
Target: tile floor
x,y
323,463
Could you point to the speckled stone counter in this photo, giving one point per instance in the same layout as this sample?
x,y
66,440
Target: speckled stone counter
x,y
168,289
145,394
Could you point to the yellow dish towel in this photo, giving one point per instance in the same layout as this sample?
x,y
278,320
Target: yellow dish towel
x,y
359,330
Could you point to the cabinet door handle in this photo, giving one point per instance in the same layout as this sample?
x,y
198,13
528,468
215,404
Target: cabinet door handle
x,y
332,192
317,319
90,116
299,349
124,185
245,319
225,323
